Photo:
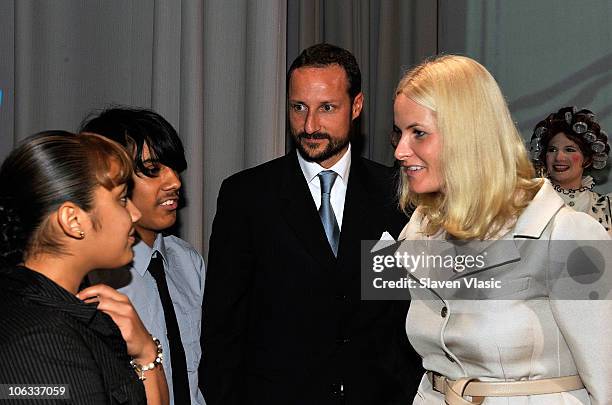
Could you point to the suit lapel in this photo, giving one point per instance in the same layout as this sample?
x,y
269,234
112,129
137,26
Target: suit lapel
x,y
300,212
355,210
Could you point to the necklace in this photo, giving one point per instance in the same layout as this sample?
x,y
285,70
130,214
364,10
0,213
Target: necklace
x,y
571,190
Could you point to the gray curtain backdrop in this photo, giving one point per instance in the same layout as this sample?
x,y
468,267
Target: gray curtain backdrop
x,y
216,68
545,54
244,70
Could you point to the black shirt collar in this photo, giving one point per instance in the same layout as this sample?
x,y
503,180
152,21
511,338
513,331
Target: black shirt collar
x,y
36,288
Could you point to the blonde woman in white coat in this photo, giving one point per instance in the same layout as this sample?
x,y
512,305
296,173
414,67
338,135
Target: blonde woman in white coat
x,y
464,166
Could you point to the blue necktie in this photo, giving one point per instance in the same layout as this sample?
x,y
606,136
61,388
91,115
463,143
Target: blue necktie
x,y
326,212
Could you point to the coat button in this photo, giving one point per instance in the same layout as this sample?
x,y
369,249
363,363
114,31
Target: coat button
x,y
448,356
337,390
571,204
443,312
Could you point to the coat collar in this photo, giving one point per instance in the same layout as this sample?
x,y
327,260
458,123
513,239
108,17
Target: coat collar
x,y
34,287
530,225
538,213
356,209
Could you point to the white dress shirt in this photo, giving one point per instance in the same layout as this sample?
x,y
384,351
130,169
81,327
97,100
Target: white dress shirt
x,y
342,167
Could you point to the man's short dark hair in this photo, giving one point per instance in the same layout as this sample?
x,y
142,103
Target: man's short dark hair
x,y
133,127
324,55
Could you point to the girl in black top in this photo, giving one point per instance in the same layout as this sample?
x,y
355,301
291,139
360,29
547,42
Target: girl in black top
x,y
64,211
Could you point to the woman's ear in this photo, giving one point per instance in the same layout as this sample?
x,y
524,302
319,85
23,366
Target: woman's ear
x,y
71,219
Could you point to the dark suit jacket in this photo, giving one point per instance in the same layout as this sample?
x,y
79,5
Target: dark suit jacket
x,y
48,336
283,321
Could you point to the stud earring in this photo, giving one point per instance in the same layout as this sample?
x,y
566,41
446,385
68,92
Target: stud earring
x,y
81,235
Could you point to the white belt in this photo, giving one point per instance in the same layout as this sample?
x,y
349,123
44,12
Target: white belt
x,y
455,390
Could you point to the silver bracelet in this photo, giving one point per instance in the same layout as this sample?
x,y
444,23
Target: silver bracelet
x,y
141,368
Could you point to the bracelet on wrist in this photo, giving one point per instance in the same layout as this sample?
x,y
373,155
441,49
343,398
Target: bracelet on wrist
x,y
141,368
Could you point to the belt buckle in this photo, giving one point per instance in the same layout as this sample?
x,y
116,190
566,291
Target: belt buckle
x,y
437,381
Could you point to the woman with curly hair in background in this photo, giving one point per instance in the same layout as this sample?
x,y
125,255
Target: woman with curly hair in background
x,y
566,144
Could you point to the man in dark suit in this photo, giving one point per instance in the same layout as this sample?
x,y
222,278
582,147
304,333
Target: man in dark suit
x,y
283,320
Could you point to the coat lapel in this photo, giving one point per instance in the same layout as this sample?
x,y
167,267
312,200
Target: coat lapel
x,y
538,213
493,253
300,213
355,218
530,225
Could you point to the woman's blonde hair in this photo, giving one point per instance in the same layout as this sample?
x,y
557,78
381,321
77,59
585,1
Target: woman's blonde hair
x,y
487,175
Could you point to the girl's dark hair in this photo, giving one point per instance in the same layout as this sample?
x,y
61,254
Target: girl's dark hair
x,y
45,171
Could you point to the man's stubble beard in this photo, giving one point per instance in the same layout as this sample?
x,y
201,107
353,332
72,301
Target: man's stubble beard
x,y
333,147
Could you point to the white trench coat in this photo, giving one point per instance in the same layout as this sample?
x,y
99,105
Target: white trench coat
x,y
521,331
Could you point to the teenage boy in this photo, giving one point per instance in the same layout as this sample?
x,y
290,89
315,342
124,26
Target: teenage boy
x,y
165,282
